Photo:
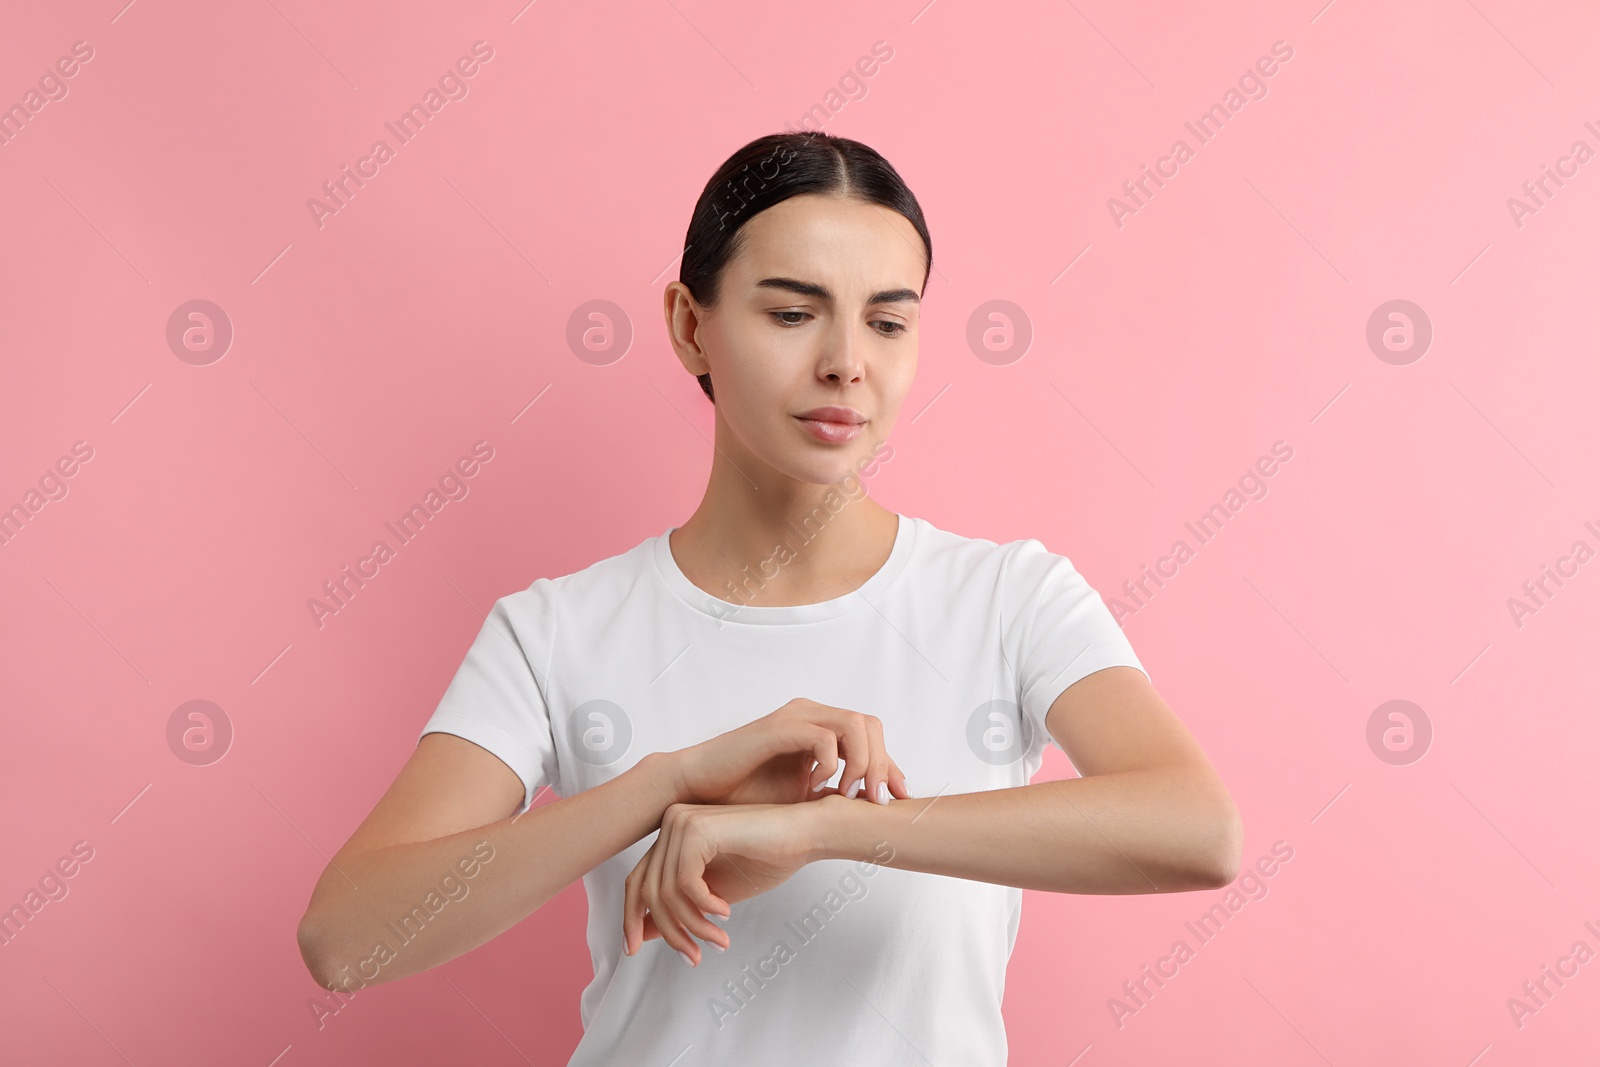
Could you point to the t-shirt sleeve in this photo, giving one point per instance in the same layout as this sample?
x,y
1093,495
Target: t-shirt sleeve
x,y
1056,630
497,698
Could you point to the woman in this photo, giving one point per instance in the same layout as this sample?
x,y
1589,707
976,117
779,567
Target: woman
x,y
729,711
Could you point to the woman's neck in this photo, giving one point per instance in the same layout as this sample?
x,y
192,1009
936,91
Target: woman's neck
x,y
803,553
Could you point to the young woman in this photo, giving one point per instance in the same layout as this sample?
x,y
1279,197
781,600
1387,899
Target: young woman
x,y
728,712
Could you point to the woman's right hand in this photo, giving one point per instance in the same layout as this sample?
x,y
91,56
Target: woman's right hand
x,y
786,756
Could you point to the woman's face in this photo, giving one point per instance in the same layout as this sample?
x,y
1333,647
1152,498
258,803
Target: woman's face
x,y
818,308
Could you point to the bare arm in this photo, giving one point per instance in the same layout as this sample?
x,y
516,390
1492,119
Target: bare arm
x,y
441,865
1149,814
450,798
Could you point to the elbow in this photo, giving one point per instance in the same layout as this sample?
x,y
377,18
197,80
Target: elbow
x,y
311,950
1219,862
314,953
330,962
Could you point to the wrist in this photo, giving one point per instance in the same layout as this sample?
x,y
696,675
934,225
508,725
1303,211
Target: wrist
x,y
838,826
664,771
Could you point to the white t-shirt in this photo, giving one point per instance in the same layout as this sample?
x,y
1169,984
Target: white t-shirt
x,y
959,645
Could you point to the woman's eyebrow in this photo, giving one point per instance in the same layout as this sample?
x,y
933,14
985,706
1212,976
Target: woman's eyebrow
x,y
792,285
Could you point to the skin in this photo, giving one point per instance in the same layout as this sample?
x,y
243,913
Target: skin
x,y
736,813
772,354
1149,814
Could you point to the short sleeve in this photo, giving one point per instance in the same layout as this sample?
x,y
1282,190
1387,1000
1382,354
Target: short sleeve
x,y
1055,630
497,698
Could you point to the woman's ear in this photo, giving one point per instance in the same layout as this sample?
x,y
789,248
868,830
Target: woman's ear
x,y
683,317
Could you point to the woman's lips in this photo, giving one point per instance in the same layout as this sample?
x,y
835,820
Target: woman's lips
x,y
832,432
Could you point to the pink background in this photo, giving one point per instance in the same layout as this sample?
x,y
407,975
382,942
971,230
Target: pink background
x,y
1228,313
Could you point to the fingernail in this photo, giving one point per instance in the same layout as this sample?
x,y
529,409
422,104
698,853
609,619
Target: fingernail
x,y
716,946
818,787
909,791
686,957
855,787
883,792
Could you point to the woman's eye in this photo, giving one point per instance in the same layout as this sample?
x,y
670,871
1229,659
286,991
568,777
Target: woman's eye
x,y
895,328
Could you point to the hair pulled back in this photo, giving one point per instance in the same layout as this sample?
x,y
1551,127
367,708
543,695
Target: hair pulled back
x,y
768,171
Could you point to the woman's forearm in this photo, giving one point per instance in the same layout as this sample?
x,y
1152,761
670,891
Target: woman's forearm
x,y
383,914
1147,831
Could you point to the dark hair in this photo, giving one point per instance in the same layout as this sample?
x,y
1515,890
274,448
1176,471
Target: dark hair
x,y
768,171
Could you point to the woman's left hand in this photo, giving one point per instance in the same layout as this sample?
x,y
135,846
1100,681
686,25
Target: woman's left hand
x,y
708,857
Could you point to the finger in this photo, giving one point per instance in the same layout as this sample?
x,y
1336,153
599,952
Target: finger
x,y
852,729
646,905
658,891
897,782
806,724
825,750
643,897
877,786
683,886
651,930
686,866
633,913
